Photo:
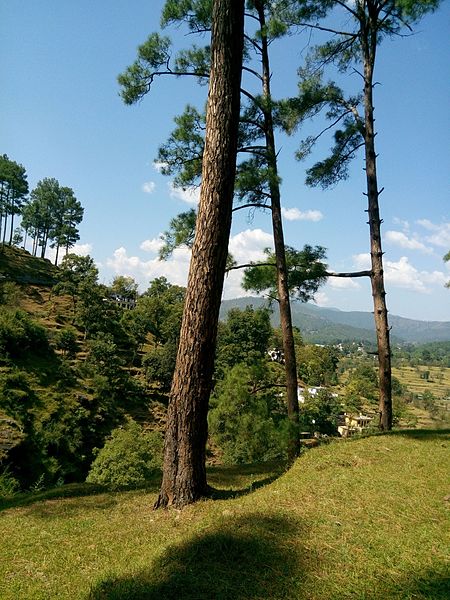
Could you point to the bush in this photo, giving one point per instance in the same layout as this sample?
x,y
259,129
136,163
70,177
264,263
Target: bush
x,y
9,486
128,458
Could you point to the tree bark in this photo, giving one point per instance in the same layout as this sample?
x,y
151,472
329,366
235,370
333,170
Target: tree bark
x,y
184,472
369,44
280,254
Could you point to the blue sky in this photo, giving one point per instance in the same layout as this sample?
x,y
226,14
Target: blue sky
x,y
62,117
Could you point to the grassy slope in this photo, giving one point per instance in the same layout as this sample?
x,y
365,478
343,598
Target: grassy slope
x,y
438,382
362,519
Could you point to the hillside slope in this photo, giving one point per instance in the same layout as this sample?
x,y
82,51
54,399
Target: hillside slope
x,y
360,519
330,325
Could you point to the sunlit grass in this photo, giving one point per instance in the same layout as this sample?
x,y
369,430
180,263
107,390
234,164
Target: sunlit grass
x,y
362,519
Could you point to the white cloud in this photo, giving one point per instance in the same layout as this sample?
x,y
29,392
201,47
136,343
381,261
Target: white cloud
x,y
80,249
189,195
343,283
294,214
248,245
321,299
175,269
398,238
361,261
152,245
159,165
403,224
403,274
148,187
440,235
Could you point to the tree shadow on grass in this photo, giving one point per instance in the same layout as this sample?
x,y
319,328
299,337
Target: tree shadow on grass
x,y
252,557
72,491
424,434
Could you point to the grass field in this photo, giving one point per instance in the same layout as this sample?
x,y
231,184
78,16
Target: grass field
x,y
364,519
438,382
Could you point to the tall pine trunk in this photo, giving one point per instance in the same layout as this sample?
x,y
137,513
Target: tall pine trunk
x,y
376,253
184,471
280,253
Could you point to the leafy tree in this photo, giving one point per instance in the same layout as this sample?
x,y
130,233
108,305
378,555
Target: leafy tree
x,y
240,420
13,190
367,22
124,287
181,232
76,271
184,473
68,214
317,365
305,273
243,338
67,342
320,412
362,386
257,181
45,199
52,215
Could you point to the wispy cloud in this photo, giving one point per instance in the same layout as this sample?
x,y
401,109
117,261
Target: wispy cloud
x,y
440,232
398,238
148,187
294,214
189,195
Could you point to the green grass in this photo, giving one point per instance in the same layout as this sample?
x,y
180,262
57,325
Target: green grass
x,y
438,382
364,519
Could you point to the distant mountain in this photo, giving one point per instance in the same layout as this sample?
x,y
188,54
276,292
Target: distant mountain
x,y
331,325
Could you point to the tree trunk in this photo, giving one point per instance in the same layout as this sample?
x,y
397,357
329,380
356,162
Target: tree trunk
x,y
280,254
184,471
376,253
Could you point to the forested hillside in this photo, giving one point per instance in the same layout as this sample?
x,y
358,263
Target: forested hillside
x,y
79,359
327,325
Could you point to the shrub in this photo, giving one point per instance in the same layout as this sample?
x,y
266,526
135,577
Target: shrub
x,y
9,486
67,342
128,458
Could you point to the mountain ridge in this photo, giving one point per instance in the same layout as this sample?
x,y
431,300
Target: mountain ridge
x,y
332,325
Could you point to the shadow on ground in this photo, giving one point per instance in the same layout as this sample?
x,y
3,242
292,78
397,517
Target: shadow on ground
x,y
242,559
91,492
424,434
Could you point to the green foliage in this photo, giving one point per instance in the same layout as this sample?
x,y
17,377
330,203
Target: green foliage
x,y
20,335
182,154
66,341
10,293
180,233
362,385
240,420
316,365
9,486
159,365
243,338
128,458
320,412
153,56
306,272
